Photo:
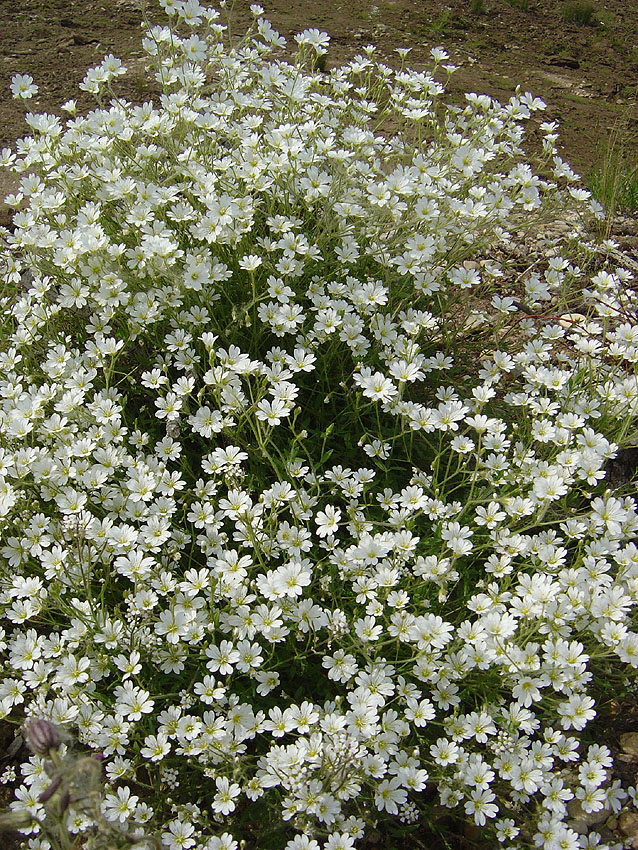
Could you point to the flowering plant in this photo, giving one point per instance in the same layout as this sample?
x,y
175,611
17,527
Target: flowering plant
x,y
304,514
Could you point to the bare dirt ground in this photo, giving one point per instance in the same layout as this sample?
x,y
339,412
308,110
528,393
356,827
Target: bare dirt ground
x,y
587,75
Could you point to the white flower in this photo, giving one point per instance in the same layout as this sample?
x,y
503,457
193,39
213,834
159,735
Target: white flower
x,y
113,65
222,658
339,841
162,517
419,712
273,411
155,747
169,407
225,841
179,836
120,806
327,521
250,262
591,799
22,86
439,54
480,805
279,722
249,656
132,701
490,516
316,39
224,799
457,538
444,752
550,488
267,681
302,842
367,629
576,712
389,795
608,512
173,624
291,579
341,666
375,385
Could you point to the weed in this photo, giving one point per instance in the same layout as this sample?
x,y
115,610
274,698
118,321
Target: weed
x,y
442,23
615,182
579,12
477,7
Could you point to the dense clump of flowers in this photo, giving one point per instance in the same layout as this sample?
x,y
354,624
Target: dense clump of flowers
x,y
276,540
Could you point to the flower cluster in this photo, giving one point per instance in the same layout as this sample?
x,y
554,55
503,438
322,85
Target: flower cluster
x,y
273,534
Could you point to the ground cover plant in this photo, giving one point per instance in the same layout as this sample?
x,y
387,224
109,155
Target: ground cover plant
x,y
305,524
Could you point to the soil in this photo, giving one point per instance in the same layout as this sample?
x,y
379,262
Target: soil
x,y
587,75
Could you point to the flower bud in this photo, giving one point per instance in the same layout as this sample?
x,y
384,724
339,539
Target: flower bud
x,y
42,736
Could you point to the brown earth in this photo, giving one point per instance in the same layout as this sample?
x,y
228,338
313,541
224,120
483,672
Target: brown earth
x,y
588,75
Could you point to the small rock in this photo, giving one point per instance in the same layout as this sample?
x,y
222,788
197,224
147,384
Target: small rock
x,y
14,747
571,320
563,62
629,744
628,824
582,821
80,39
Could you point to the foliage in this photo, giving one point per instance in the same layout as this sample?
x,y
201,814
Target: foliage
x,y
304,519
